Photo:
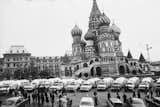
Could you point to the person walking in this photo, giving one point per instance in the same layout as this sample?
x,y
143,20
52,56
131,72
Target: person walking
x,y
138,94
124,98
118,96
95,98
134,94
46,97
108,95
52,98
42,98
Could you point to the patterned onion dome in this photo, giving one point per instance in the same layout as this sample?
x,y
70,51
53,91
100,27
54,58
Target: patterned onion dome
x,y
83,42
104,20
114,28
89,36
76,31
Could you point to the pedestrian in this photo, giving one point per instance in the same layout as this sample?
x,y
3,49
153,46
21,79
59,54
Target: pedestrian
x,y
124,98
108,95
29,98
138,94
151,93
52,98
46,97
118,96
134,94
95,98
42,98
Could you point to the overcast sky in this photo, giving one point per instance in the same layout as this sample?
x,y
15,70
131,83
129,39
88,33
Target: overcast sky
x,y
43,26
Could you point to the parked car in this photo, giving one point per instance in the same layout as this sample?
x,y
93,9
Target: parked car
x,y
119,83
132,83
4,89
28,87
137,102
73,86
56,86
114,102
157,84
86,102
101,85
146,83
86,86
14,102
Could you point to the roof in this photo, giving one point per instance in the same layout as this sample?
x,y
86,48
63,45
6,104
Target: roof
x,y
89,99
14,98
115,100
16,49
95,10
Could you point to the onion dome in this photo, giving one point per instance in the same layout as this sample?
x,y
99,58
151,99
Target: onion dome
x,y
83,42
89,36
114,28
104,20
76,31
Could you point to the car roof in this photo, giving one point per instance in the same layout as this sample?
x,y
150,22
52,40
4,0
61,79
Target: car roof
x,y
157,98
137,100
14,98
89,99
115,100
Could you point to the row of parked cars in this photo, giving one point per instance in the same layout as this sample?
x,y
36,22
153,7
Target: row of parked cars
x,y
71,84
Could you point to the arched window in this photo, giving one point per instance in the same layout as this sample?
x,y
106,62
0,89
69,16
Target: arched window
x,y
85,65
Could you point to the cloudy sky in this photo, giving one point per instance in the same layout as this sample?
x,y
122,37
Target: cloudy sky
x,y
43,26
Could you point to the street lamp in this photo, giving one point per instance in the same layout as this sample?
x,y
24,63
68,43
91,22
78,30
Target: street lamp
x,y
148,49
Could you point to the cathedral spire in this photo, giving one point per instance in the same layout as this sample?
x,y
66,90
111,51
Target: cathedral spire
x,y
95,10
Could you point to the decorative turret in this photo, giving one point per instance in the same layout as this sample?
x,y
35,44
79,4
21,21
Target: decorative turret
x,y
129,55
104,20
89,36
115,30
141,58
95,10
76,33
83,42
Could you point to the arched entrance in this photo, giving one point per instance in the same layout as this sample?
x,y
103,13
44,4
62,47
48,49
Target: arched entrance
x,y
134,72
127,69
98,71
91,62
92,71
80,75
121,70
77,67
85,65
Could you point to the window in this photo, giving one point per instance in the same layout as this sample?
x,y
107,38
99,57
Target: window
x,y
23,51
17,51
8,65
11,51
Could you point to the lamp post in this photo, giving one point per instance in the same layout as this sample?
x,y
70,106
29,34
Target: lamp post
x,y
148,49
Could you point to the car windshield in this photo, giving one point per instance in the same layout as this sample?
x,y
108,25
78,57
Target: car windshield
x,y
86,84
4,86
86,103
101,83
118,105
73,83
8,102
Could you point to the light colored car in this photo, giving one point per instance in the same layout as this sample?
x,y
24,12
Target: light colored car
x,y
4,88
86,86
86,102
146,83
114,102
101,85
13,102
137,102
119,83
74,86
28,87
132,83
56,86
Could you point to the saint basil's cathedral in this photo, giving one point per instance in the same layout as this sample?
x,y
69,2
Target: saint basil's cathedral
x,y
99,51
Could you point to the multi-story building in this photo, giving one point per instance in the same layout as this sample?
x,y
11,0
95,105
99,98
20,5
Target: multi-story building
x,y
49,64
1,64
15,58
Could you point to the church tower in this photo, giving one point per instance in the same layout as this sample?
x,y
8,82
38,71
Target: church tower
x,y
78,44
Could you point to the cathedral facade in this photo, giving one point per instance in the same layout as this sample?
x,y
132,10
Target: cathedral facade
x,y
99,51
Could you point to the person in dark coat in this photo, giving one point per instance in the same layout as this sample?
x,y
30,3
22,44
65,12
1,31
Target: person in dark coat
x,y
95,98
124,98
134,94
138,94
46,96
52,98
42,98
108,95
118,96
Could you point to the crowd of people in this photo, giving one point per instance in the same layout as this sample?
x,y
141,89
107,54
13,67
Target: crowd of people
x,y
42,95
